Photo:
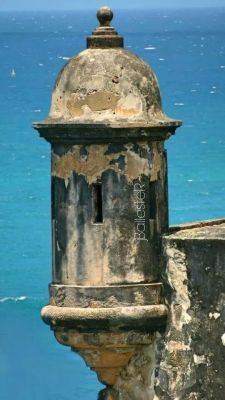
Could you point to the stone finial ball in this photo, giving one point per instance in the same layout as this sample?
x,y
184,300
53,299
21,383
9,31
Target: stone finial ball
x,y
105,16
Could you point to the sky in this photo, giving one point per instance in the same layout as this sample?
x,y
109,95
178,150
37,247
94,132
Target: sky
x,y
6,5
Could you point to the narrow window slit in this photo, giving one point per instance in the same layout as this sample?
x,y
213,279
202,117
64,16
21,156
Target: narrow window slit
x,y
97,203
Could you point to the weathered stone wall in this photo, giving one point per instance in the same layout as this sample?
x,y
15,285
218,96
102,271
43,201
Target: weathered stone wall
x,y
136,382
86,253
192,353
187,362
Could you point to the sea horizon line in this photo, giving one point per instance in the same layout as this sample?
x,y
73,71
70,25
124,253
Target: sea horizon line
x,y
91,9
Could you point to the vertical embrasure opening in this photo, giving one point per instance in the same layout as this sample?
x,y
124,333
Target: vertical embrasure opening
x,y
97,203
153,199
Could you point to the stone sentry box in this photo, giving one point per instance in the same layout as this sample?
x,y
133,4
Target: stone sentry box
x,y
107,131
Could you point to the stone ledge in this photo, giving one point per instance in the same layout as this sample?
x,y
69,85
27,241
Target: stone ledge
x,y
140,318
61,131
213,230
196,224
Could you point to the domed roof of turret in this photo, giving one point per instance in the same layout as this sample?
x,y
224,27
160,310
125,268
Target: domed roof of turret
x,y
107,83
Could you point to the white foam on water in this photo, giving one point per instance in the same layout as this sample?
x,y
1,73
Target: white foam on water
x,y
13,299
179,104
63,58
222,66
203,193
150,48
161,59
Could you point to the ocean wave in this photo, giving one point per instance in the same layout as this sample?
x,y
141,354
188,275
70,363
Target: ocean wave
x,y
150,48
13,299
64,58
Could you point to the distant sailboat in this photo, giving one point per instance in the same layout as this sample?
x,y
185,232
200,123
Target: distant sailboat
x,y
13,73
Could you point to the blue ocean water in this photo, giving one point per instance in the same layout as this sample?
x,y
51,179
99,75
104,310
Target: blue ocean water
x,y
187,51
